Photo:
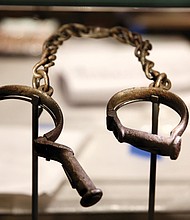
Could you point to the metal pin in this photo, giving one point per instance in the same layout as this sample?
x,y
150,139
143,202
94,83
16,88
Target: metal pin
x,y
153,161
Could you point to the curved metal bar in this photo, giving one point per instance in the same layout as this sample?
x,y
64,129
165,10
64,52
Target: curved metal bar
x,y
166,146
26,93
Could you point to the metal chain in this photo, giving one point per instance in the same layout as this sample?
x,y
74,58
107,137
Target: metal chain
x,y
51,45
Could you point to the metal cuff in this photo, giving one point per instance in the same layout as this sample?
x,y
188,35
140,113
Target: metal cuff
x,y
45,146
27,93
166,146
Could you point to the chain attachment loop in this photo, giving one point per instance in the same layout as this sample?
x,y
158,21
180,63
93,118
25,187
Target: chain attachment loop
x,y
161,82
122,34
37,77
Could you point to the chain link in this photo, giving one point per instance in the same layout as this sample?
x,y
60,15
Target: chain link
x,y
123,35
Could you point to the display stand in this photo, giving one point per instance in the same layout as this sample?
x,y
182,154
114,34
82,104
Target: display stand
x,y
153,160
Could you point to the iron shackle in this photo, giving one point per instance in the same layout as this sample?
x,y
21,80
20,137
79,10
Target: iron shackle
x,y
45,146
166,146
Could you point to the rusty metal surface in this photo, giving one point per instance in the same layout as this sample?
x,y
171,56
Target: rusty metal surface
x,y
45,146
166,146
75,173
26,93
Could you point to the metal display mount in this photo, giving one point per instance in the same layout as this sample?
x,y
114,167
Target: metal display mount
x,y
153,160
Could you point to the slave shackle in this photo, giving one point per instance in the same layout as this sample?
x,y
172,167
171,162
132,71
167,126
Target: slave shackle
x,y
45,146
166,146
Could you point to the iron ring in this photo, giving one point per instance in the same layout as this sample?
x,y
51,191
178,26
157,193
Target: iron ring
x,y
27,93
166,146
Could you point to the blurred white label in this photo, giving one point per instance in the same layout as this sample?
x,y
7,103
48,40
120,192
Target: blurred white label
x,y
92,70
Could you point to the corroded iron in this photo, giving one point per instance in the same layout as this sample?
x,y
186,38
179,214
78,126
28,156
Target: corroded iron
x,y
45,146
166,146
75,173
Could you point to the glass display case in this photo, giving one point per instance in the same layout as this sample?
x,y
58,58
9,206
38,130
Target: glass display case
x,y
84,80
